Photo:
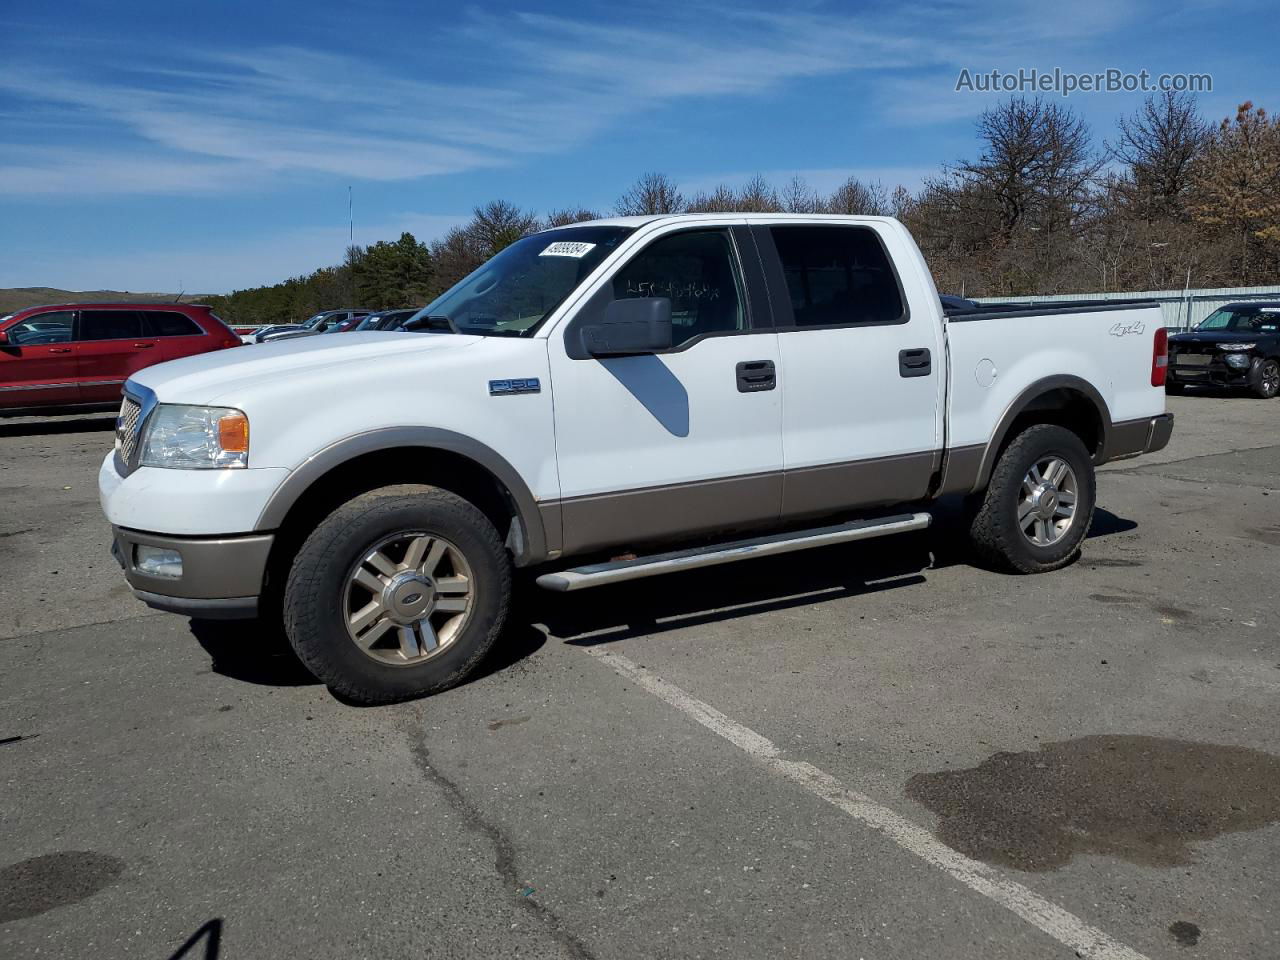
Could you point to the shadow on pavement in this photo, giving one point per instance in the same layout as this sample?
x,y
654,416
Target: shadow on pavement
x,y
40,428
251,651
211,934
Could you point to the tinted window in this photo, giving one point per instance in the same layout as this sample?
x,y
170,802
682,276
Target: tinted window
x,y
42,328
167,323
837,276
697,271
110,324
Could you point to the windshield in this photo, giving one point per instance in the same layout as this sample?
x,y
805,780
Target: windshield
x,y
369,322
1243,321
517,289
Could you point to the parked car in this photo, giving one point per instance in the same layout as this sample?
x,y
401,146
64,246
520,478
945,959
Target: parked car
x,y
1236,346
80,354
385,320
345,326
312,326
749,385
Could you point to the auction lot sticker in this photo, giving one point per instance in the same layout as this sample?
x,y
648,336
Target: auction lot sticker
x,y
568,248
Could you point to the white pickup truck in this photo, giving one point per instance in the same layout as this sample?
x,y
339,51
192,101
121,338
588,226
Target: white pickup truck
x,y
611,400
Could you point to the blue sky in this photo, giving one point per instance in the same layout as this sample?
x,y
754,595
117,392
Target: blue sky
x,y
158,145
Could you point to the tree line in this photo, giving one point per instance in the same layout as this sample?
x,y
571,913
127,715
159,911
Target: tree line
x,y
1169,199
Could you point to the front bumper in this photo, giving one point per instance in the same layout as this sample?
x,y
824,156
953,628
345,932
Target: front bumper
x,y
221,577
1217,372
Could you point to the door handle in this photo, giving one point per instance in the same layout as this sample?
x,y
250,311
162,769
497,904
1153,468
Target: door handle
x,y
144,346
59,349
756,375
915,362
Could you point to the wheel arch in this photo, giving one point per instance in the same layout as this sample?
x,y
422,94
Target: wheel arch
x,y
432,455
1063,399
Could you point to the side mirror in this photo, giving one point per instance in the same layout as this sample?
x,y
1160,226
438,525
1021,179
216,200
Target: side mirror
x,y
4,338
630,327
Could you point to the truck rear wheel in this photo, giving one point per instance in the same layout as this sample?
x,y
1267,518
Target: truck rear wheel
x,y
1039,502
397,594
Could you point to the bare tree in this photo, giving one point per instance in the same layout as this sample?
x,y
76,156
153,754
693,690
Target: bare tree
x,y
561,218
652,193
853,197
796,197
757,196
1159,145
720,200
1035,170
499,224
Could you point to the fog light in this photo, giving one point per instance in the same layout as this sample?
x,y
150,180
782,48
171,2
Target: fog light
x,y
1237,360
158,562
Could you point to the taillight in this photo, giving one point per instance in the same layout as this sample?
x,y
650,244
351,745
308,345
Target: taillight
x,y
1160,358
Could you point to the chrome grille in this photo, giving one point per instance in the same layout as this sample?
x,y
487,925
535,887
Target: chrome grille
x,y
127,427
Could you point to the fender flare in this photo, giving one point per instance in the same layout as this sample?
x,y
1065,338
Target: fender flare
x,y
533,545
1024,400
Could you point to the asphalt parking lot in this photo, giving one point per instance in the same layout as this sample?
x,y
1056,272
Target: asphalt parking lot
x,y
875,751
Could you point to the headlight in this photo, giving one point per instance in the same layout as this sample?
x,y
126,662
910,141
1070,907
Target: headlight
x,y
195,438
1237,360
1236,346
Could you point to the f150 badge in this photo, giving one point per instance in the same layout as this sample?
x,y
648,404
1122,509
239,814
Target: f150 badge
x,y
507,388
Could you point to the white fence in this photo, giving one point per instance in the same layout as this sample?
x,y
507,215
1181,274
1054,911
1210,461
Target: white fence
x,y
1183,309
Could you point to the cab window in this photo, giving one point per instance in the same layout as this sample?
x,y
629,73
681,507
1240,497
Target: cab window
x,y
838,276
699,273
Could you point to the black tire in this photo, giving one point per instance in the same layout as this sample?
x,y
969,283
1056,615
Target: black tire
x,y
315,592
994,530
1264,378
1177,389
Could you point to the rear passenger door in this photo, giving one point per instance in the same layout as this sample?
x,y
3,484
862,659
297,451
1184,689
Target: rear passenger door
x,y
862,369
112,345
176,334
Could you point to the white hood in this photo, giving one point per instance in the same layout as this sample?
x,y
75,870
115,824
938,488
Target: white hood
x,y
202,378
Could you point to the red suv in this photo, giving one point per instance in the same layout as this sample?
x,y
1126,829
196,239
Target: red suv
x,y
79,354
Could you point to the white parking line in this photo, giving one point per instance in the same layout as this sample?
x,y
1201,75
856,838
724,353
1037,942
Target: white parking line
x,y
1062,925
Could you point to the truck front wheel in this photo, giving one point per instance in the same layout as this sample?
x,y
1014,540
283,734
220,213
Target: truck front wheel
x,y
397,594
1039,503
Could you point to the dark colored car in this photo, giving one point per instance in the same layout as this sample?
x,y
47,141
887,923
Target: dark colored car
x,y
953,304
386,319
80,354
1235,346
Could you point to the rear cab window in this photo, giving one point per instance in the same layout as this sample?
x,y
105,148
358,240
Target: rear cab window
x,y
838,276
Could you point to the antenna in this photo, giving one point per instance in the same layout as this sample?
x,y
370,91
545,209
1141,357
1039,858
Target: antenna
x,y
351,222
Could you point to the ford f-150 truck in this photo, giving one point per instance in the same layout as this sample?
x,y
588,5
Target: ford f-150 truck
x,y
611,400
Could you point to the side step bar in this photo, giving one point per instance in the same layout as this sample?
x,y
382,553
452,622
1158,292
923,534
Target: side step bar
x,y
616,571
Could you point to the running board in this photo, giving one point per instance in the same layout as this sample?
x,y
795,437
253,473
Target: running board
x,y
616,571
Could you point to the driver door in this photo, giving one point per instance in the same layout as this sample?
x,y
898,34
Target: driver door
x,y
683,441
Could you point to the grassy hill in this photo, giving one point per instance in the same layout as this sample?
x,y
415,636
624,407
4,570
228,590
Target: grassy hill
x,y
16,298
